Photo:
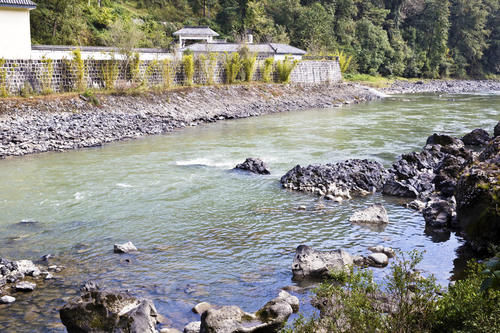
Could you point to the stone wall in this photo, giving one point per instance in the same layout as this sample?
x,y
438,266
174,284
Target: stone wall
x,y
60,75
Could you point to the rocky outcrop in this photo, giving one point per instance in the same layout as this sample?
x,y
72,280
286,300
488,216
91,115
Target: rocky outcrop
x,y
12,274
108,311
254,165
440,212
477,137
375,214
309,263
477,195
344,179
124,248
496,130
231,319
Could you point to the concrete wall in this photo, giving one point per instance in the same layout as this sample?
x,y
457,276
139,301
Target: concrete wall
x,y
60,75
15,35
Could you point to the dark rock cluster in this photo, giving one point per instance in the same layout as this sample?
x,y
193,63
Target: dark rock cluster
x,y
254,165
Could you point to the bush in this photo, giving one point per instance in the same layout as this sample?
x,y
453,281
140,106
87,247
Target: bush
x,y
268,70
188,63
344,60
407,302
233,67
78,67
249,66
285,68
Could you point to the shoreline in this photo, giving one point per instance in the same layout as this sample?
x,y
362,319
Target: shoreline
x,y
57,124
442,86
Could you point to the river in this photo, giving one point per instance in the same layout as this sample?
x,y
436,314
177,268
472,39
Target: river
x,y
205,232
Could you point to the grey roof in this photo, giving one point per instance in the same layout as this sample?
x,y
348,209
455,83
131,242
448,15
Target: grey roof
x,y
195,31
286,49
18,3
255,48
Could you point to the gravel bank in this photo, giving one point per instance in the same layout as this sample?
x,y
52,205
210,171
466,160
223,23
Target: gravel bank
x,y
60,123
443,86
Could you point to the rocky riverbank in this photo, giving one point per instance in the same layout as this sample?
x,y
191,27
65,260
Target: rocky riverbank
x,y
55,124
443,86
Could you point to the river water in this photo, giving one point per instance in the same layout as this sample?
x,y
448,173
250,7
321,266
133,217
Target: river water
x,y
206,233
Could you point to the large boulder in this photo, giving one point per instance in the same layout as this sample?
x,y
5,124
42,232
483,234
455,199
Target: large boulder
x,y
444,140
254,165
343,179
440,213
309,263
477,137
478,199
375,214
107,311
231,319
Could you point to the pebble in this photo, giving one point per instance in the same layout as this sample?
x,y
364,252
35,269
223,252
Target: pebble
x,y
7,299
25,286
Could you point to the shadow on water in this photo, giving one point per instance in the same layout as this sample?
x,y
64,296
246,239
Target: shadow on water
x,y
204,232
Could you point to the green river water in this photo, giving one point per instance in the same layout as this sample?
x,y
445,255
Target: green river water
x,y
206,233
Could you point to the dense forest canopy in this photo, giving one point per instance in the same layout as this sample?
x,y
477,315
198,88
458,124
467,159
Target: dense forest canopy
x,y
411,38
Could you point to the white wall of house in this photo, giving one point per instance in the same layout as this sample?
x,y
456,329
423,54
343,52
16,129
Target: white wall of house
x,y
15,35
95,55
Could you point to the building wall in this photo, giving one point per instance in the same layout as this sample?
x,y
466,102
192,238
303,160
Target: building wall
x,y
60,75
15,35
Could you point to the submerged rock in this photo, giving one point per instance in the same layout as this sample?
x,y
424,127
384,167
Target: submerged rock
x,y
344,179
107,311
7,299
125,248
375,214
231,319
378,259
477,137
389,252
25,286
27,267
254,165
193,327
309,263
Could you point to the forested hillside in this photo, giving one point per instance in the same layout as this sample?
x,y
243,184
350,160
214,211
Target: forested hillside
x,y
411,38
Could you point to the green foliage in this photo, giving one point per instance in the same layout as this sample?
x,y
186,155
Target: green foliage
x,y
4,92
109,72
151,72
207,65
268,70
78,67
285,68
26,90
135,67
248,63
46,76
344,60
491,274
167,73
407,302
233,67
91,97
188,65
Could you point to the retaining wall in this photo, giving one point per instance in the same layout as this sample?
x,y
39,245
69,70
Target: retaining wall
x,y
60,75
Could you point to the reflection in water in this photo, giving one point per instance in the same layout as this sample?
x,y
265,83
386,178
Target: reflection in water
x,y
206,233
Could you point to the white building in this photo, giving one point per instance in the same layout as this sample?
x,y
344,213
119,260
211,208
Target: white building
x,y
15,35
209,44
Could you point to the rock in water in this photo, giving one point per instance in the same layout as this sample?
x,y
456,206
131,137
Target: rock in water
x,y
389,252
254,165
444,140
106,311
496,130
7,299
201,307
125,248
193,327
231,319
477,195
25,286
309,263
378,260
477,137
439,212
375,214
27,267
343,179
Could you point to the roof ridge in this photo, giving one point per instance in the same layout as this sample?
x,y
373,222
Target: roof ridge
x,y
18,3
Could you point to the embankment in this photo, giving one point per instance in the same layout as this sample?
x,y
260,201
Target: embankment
x,y
57,123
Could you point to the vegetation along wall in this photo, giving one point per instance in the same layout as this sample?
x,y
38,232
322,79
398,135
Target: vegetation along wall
x,y
25,77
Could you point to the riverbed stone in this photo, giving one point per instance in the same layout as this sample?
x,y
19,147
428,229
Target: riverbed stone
x,y
343,179
201,307
440,212
193,327
375,214
109,311
389,252
378,259
7,299
309,263
254,165
27,267
496,130
125,248
25,286
477,137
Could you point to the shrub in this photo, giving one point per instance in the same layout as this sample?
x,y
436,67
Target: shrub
x,y
46,78
78,67
110,73
249,66
167,74
188,63
4,91
268,70
91,97
233,67
344,60
135,68
285,68
151,72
